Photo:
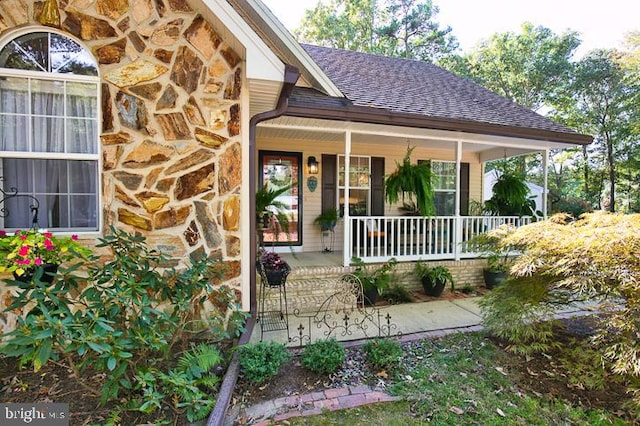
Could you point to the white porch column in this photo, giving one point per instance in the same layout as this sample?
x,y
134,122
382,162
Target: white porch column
x,y
545,185
458,221
346,238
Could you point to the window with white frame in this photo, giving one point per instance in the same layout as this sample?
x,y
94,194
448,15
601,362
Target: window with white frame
x,y
49,91
359,184
444,173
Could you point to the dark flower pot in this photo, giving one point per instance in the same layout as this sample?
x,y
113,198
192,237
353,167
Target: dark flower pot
x,y
433,288
370,296
48,273
492,279
274,277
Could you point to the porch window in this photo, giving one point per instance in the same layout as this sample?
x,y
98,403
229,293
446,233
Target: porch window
x,y
359,185
445,187
49,148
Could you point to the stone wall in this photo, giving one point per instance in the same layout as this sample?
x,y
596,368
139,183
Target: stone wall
x,y
170,132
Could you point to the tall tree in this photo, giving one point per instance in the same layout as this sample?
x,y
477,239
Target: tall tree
x,y
599,103
344,24
528,67
401,28
412,31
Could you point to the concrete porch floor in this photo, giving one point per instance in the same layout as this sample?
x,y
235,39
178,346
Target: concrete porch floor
x,y
432,318
312,259
408,318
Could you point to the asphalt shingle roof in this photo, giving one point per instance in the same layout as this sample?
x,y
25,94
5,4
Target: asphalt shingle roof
x,y
408,86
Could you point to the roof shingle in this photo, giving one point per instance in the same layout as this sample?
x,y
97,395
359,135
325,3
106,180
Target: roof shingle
x,y
413,87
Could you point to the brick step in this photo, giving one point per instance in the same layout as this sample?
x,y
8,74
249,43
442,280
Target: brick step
x,y
309,287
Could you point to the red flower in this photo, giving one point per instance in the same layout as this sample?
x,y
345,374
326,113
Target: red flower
x,y
3,233
74,237
24,251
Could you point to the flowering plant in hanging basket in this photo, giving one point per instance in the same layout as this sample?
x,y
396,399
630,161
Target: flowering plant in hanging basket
x,y
27,249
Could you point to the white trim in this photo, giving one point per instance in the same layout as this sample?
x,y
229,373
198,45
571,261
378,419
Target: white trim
x,y
346,238
262,63
431,134
96,157
285,37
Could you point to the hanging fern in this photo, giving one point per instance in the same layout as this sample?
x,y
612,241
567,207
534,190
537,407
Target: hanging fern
x,y
411,180
511,196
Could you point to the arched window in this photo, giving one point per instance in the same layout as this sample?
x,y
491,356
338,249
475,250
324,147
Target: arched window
x,y
49,88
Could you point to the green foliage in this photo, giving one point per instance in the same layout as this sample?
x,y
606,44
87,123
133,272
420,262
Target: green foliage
x,y
529,67
397,293
491,245
563,261
267,204
370,276
411,180
188,387
400,28
134,312
517,311
576,207
436,273
261,361
585,366
323,356
327,219
383,354
510,196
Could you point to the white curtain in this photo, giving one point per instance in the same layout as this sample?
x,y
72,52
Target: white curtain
x,y
63,120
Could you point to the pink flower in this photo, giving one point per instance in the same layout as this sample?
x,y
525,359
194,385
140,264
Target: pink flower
x,y
48,235
3,233
23,237
24,251
38,261
74,237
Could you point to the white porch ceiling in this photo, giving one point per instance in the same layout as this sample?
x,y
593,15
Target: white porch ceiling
x,y
486,146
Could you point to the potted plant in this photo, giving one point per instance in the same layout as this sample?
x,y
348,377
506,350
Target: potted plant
x,y
327,220
409,181
434,279
374,280
26,251
273,268
498,256
268,205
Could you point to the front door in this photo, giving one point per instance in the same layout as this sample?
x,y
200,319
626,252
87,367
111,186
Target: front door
x,y
280,169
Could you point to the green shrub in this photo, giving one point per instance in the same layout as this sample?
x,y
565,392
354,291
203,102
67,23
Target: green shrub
x,y
396,294
383,354
190,385
136,313
261,361
323,356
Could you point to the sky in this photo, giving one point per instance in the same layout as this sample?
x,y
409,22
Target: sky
x,y
601,24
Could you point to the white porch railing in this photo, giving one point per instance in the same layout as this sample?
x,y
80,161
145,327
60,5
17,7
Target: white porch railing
x,y
409,238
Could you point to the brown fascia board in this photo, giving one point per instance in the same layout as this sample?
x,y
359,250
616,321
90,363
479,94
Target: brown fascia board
x,y
380,116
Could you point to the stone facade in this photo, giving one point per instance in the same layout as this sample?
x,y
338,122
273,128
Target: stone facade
x,y
170,133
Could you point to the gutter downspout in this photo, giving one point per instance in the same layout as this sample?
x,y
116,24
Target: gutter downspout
x,y
217,416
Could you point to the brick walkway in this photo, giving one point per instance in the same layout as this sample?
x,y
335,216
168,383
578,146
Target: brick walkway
x,y
311,404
